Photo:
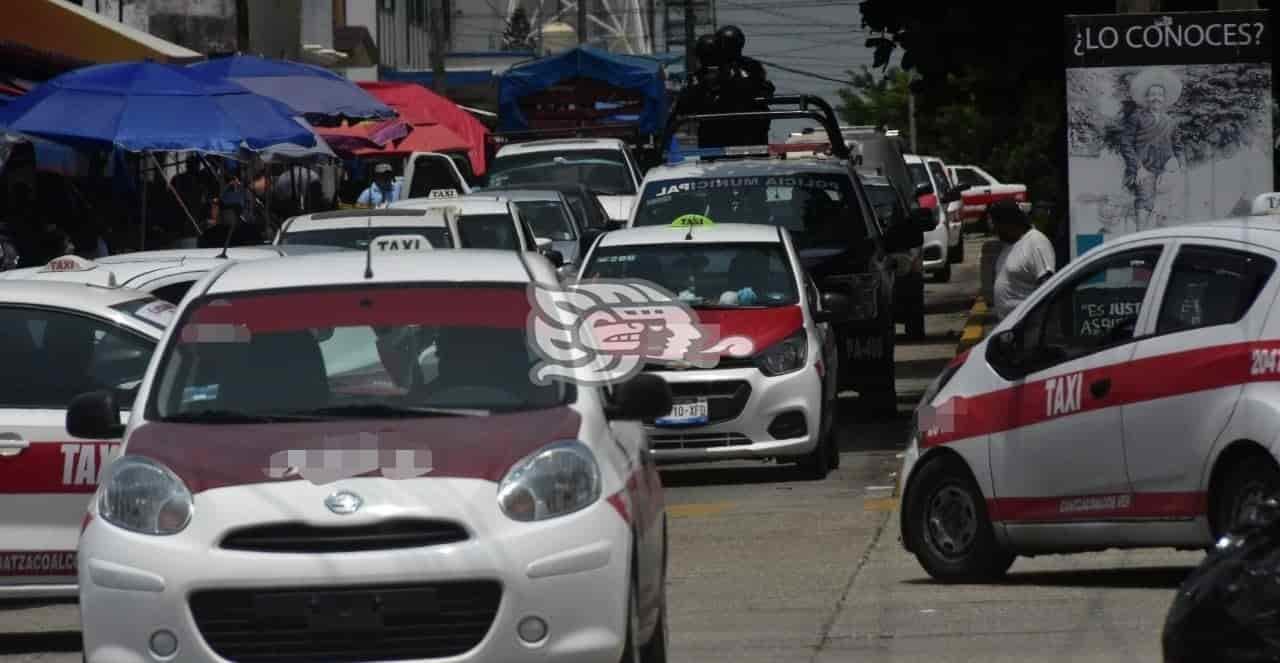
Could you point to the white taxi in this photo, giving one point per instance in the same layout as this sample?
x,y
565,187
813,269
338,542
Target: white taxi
x,y
166,274
56,340
746,281
1130,402
270,501
354,229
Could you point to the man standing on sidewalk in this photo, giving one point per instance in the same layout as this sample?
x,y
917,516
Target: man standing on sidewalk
x,y
1026,261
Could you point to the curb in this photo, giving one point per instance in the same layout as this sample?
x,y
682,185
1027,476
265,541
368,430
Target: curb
x,y
980,321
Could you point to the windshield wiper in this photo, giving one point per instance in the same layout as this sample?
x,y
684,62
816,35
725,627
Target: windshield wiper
x,y
377,410
231,417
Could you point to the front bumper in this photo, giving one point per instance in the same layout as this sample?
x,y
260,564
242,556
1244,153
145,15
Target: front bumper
x,y
934,254
744,403
572,572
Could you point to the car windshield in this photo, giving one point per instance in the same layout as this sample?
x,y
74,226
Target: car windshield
x,y
710,275
600,170
548,218
359,237
920,176
353,351
488,231
820,209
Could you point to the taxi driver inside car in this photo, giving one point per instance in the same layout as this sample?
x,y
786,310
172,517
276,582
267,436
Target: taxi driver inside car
x,y
995,425
518,486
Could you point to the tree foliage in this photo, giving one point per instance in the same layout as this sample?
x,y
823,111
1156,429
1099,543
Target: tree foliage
x,y
518,34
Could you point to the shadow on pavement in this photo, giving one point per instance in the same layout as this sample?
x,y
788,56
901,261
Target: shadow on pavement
x,y
732,475
1156,577
34,643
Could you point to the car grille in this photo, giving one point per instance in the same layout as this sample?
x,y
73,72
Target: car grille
x,y
698,441
358,623
725,362
304,538
725,398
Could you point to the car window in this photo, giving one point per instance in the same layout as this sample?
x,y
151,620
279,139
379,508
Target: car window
x,y
49,357
884,200
1096,309
547,218
939,175
358,237
358,349
737,274
1211,286
966,178
605,171
488,231
174,292
820,209
919,175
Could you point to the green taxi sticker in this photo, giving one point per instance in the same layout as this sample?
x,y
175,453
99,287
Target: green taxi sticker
x,y
691,220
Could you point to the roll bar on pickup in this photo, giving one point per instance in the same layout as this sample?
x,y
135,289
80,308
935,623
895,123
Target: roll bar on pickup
x,y
810,108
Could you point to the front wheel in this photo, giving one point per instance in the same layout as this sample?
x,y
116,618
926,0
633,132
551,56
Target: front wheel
x,y
948,526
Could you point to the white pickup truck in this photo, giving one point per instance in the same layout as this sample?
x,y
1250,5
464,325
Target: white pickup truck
x,y
979,189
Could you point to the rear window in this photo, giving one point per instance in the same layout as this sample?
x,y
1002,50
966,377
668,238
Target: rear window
x,y
820,209
920,176
359,237
488,231
605,171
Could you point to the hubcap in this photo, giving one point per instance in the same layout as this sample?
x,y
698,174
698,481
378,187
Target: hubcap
x,y
951,521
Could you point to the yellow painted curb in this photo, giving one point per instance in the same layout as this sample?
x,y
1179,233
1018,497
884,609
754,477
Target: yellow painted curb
x,y
880,504
975,328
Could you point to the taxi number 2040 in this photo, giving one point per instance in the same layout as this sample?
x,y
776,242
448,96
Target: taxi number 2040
x,y
1265,362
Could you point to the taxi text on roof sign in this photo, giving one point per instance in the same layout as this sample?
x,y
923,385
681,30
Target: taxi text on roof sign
x,y
688,220
69,263
1266,204
442,193
399,244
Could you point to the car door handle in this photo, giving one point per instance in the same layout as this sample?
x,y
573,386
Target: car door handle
x,y
1100,388
12,444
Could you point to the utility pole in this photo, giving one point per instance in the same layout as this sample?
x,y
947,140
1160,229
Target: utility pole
x,y
690,56
582,21
911,118
435,22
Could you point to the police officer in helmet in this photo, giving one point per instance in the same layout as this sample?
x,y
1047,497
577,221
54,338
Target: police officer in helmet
x,y
726,82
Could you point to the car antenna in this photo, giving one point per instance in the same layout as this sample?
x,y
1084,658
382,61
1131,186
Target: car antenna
x,y
235,223
368,249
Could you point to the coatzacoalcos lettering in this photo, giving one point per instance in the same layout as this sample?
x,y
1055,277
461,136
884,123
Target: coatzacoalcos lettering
x,y
1164,33
800,182
1098,503
19,563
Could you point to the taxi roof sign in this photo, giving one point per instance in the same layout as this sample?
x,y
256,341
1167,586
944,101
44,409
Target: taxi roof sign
x,y
690,220
399,244
1266,204
69,263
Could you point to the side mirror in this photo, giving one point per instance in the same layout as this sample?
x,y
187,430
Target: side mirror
x,y
835,308
951,196
1004,350
923,189
643,397
555,257
542,243
924,219
95,416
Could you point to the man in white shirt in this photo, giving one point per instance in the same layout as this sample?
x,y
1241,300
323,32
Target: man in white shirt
x,y
1026,261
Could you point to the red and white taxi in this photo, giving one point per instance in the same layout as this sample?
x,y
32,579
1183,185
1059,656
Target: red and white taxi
x,y
56,340
745,281
1130,402
276,497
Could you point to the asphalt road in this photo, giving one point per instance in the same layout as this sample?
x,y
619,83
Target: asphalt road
x,y
768,567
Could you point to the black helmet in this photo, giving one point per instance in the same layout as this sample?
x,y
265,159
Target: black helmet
x,y
732,41
707,50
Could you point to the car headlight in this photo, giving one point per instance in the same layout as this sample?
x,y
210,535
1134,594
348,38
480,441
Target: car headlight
x,y
144,496
557,480
784,356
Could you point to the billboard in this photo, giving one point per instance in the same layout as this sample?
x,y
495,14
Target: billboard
x,y
1168,120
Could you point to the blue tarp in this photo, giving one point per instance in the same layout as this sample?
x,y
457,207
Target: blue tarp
x,y
147,106
624,71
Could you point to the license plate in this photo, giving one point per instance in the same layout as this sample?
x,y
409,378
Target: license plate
x,y
685,413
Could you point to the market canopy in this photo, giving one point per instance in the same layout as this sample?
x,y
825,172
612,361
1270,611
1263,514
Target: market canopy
x,y
370,135
147,106
57,26
309,90
417,106
639,75
421,138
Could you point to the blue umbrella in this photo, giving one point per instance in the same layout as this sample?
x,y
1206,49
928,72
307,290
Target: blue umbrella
x,y
147,106
311,91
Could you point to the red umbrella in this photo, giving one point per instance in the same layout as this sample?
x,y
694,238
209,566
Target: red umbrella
x,y
418,105
349,138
